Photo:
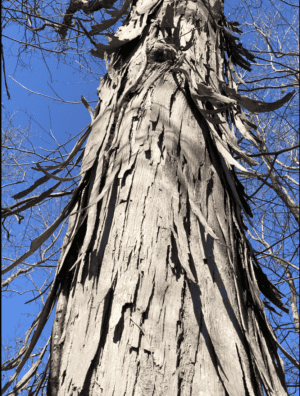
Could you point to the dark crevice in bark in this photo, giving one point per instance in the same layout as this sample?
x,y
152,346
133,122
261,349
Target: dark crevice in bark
x,y
94,265
193,267
126,51
75,246
106,316
199,174
131,170
180,338
85,270
202,241
107,226
136,290
136,379
134,349
208,45
209,190
179,193
120,325
180,379
255,377
124,178
208,248
187,222
177,269
278,368
197,305
104,332
259,343
179,85
148,154
173,96
233,239
269,341
201,121
109,141
180,328
87,382
154,124
128,261
175,228
104,174
145,314
271,347
244,380
241,192
160,141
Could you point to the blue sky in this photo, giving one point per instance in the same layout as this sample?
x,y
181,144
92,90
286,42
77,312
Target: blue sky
x,y
64,120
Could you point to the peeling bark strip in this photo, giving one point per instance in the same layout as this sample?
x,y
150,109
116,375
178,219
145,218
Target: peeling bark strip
x,y
162,295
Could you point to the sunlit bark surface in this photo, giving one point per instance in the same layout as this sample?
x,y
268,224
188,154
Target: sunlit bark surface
x,y
160,292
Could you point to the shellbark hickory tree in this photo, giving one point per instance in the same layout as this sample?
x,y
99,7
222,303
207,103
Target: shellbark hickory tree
x,y
157,287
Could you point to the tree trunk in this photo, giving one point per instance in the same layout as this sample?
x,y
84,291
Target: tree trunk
x,y
159,292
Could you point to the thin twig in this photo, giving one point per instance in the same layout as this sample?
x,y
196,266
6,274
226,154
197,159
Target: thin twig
x,y
275,152
277,242
2,56
266,178
46,96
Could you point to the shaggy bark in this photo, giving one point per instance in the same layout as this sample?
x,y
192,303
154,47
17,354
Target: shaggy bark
x,y
159,289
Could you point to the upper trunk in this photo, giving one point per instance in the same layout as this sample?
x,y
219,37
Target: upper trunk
x,y
159,292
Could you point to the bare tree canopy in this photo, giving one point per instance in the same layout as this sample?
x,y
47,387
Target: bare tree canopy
x,y
180,195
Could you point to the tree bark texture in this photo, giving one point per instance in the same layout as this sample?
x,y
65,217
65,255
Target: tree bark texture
x,y
160,294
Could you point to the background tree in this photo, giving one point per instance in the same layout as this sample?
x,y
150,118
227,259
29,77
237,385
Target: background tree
x,y
33,277
275,42
17,156
167,55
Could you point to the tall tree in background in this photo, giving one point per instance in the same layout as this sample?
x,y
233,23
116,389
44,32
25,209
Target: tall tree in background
x,y
157,288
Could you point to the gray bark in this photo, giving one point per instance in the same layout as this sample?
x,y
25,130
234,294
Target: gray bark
x,y
159,290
